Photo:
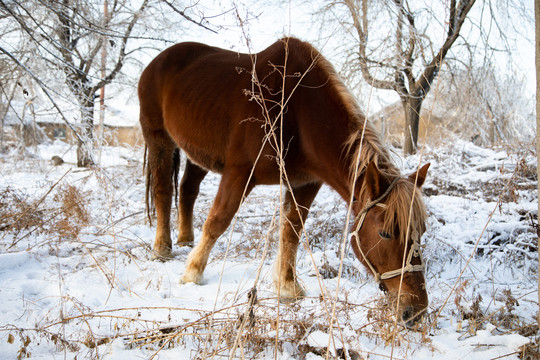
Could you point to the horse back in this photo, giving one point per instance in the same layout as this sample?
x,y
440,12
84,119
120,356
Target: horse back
x,y
181,94
209,101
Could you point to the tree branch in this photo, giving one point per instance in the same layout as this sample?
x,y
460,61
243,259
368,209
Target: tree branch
x,y
461,10
121,57
44,89
399,81
188,18
361,29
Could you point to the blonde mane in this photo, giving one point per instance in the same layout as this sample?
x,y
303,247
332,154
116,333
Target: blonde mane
x,y
404,202
363,146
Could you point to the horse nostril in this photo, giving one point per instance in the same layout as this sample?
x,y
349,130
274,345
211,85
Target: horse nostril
x,y
407,313
410,317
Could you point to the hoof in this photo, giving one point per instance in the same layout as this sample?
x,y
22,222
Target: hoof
x,y
185,243
289,300
161,255
191,276
290,294
185,240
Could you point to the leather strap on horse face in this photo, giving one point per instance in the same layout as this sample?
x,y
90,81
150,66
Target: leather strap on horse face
x,y
414,251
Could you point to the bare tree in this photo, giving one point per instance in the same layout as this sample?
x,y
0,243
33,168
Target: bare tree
x,y
8,85
69,36
483,103
407,59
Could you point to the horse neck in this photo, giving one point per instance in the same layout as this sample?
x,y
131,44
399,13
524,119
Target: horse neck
x,y
339,165
350,137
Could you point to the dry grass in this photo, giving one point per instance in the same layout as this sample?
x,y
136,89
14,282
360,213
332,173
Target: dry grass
x,y
254,326
72,214
18,212
251,328
62,217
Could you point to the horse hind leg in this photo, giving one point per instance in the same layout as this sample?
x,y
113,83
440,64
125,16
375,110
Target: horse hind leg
x,y
161,171
189,189
232,188
296,210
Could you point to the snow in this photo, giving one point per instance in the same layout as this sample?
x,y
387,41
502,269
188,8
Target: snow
x,y
68,284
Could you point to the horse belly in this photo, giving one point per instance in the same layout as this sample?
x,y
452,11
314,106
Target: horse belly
x,y
202,146
203,158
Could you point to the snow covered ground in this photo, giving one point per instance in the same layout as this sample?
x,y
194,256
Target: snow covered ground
x,y
76,279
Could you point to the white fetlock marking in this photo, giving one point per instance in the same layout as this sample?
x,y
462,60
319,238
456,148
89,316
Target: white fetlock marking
x,y
191,276
290,291
194,273
287,291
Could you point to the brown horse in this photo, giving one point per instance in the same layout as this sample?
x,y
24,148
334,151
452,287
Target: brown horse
x,y
279,116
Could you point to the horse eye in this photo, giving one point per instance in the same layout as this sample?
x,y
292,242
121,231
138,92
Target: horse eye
x,y
385,235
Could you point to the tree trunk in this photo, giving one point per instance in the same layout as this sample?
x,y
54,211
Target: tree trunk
x,y
3,117
537,61
412,107
85,152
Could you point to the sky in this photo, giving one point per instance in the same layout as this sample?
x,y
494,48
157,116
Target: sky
x,y
264,23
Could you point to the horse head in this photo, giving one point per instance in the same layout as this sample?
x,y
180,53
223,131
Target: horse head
x,y
390,219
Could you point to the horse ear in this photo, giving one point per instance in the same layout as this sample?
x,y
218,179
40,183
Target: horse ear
x,y
419,176
376,182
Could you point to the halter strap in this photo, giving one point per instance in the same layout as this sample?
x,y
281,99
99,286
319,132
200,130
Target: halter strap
x,y
415,249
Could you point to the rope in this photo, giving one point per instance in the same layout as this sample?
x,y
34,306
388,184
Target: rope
x,y
415,249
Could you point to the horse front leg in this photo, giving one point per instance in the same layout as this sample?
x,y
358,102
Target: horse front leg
x,y
189,190
296,209
232,188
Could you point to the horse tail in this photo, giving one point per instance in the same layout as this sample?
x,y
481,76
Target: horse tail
x,y
149,198
175,172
